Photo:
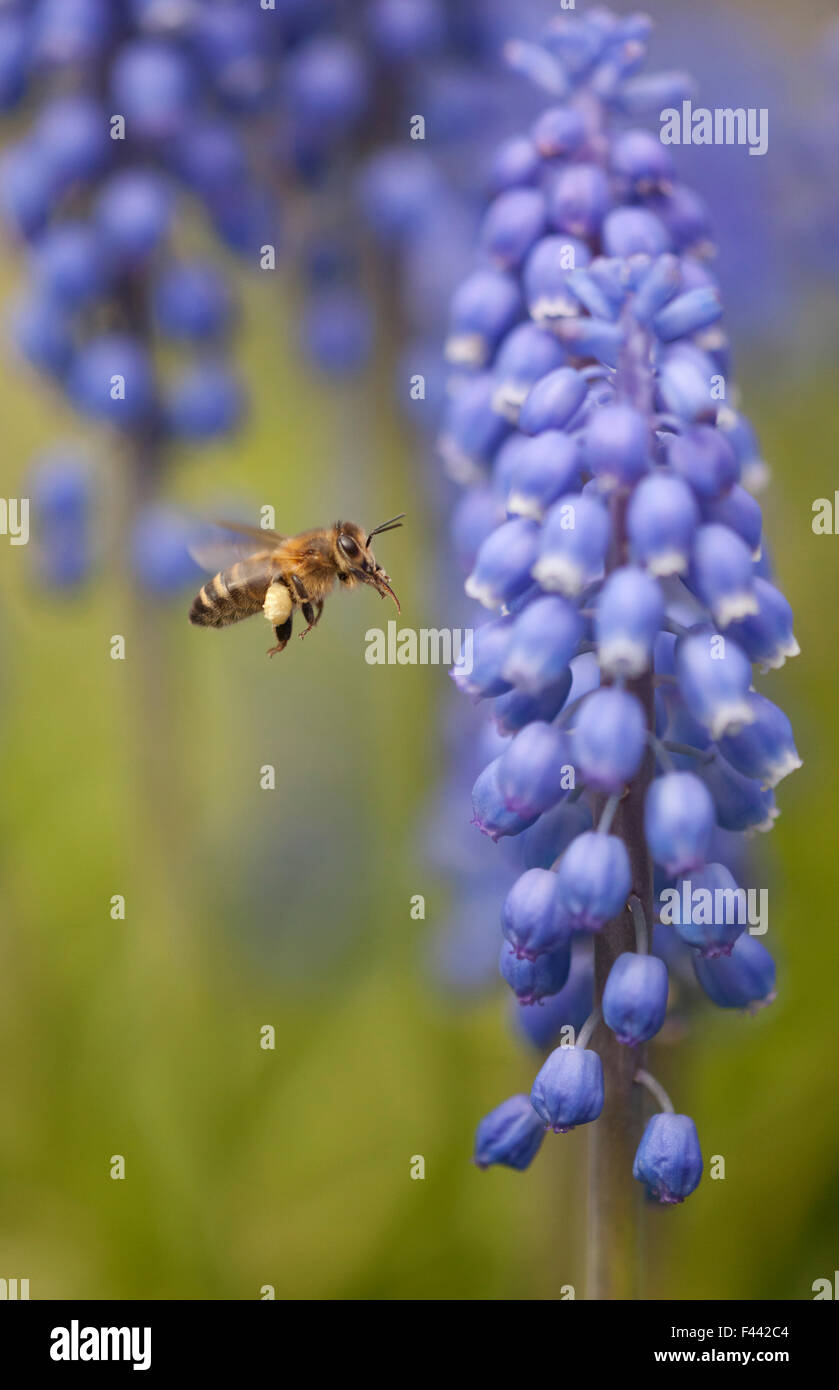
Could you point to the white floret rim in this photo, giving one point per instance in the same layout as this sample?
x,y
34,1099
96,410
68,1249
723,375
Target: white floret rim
x,y
560,574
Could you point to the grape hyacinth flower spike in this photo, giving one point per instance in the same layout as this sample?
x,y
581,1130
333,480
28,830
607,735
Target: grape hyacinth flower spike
x,y
94,198
634,614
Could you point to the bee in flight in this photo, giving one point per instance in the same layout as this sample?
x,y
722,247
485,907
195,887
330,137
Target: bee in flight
x,y
277,574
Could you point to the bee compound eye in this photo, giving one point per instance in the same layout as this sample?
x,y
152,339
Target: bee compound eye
x,y
348,546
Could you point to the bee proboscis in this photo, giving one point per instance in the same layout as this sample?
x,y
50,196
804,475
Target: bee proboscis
x,y
283,573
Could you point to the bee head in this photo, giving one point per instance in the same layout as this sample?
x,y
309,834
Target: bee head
x,y
355,560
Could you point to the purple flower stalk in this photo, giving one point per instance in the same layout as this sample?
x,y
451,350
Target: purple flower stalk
x,y
589,402
117,126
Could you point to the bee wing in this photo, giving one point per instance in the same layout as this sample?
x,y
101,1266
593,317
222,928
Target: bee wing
x,y
258,533
213,550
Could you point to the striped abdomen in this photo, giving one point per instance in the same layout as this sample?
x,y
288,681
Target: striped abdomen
x,y
233,594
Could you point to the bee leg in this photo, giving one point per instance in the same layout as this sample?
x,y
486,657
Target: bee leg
x,y
278,608
282,634
311,612
300,587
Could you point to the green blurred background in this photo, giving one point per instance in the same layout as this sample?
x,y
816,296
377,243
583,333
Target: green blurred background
x,y
245,907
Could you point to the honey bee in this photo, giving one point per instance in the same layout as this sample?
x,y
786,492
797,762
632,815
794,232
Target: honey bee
x,y
282,573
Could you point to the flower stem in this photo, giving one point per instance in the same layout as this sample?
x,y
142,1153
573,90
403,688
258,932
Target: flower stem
x,y
701,755
607,815
614,1198
639,918
588,1028
655,1088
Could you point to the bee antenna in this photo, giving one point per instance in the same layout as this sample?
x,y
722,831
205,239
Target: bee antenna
x,y
392,525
